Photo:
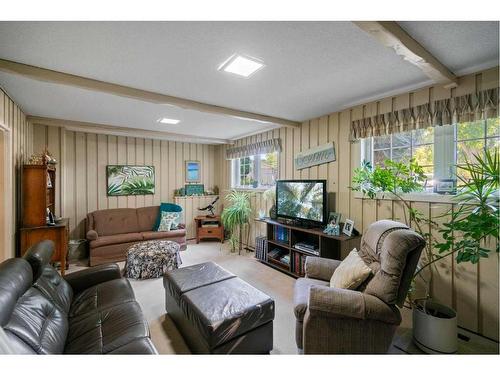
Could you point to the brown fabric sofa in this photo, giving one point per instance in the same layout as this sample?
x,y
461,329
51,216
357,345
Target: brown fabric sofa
x,y
342,321
111,232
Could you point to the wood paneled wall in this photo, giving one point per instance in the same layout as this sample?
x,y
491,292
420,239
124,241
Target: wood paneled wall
x,y
473,290
18,141
81,171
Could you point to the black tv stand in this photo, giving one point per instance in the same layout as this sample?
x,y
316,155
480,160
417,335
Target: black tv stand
x,y
333,247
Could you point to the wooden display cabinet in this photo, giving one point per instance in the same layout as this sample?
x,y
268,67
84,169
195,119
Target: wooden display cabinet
x,y
38,195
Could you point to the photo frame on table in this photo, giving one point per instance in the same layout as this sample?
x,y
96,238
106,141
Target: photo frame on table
x,y
348,227
445,186
334,218
193,171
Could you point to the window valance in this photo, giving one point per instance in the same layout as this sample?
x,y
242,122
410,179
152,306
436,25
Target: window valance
x,y
470,107
264,147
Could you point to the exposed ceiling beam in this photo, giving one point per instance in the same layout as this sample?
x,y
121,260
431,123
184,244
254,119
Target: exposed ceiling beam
x,y
89,127
390,34
52,76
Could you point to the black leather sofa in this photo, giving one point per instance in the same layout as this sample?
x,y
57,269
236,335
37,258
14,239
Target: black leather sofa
x,y
93,311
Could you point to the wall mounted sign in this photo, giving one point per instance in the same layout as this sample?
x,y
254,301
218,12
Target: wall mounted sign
x,y
315,156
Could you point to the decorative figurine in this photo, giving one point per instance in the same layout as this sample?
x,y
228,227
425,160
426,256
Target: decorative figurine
x,y
332,230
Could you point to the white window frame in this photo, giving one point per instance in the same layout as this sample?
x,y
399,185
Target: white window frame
x,y
235,173
445,150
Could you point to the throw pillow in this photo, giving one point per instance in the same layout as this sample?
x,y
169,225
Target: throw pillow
x,y
169,221
350,273
166,222
169,207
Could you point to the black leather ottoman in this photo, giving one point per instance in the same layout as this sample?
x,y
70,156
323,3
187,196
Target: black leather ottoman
x,y
216,312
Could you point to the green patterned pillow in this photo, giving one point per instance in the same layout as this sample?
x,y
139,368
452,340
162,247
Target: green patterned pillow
x,y
169,221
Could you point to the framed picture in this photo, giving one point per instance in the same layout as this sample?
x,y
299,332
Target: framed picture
x,y
334,218
348,227
130,180
193,171
445,186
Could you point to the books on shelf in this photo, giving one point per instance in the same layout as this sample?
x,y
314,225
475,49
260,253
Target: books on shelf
x,y
285,259
261,248
299,264
280,234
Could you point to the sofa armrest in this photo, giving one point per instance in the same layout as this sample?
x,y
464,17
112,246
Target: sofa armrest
x,y
320,268
92,235
89,277
350,304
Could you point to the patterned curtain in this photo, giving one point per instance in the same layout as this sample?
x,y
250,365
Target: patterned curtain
x,y
470,107
270,145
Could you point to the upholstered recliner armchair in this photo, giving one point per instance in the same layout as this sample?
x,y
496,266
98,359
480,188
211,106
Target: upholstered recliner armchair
x,y
330,320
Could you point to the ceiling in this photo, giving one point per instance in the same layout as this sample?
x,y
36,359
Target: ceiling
x,y
312,68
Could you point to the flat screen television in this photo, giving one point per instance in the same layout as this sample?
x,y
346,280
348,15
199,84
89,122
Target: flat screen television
x,y
302,200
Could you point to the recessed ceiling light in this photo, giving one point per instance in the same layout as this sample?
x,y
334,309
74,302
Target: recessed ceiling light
x,y
241,65
169,121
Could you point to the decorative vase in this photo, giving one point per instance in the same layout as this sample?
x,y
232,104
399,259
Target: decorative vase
x,y
272,212
435,327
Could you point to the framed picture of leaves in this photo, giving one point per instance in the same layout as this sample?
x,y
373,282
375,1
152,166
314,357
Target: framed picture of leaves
x,y
130,180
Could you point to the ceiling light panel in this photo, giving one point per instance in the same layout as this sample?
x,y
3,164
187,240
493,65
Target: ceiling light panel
x,y
244,66
169,121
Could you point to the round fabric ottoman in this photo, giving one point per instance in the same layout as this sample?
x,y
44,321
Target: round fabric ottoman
x,y
150,259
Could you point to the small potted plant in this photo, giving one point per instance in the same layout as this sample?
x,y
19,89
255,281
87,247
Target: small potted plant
x,y
236,216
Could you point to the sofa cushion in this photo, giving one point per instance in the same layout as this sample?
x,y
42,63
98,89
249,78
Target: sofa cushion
x,y
159,235
106,330
301,295
55,288
115,221
39,323
392,251
226,309
351,273
146,217
102,296
116,239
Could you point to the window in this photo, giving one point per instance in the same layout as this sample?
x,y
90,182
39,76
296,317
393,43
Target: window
x,y
437,149
473,137
257,171
417,144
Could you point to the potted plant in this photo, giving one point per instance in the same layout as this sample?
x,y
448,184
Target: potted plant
x,y
236,216
472,223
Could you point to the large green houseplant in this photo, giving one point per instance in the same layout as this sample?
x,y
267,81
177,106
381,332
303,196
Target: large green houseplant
x,y
472,223
236,216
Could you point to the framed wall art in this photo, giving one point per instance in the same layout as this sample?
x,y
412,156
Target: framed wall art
x,y
130,180
193,171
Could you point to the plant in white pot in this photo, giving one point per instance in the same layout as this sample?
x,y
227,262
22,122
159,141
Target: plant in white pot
x,y
473,224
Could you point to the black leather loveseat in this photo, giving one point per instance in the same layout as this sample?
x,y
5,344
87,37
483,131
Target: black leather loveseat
x,y
93,311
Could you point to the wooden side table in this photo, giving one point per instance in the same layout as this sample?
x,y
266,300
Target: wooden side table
x,y
203,230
